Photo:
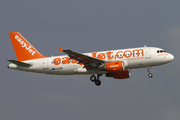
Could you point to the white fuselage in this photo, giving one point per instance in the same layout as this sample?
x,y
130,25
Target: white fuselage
x,y
132,58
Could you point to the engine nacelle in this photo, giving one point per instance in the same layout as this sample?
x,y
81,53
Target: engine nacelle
x,y
119,75
116,66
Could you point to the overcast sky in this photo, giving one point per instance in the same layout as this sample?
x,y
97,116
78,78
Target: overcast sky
x,y
86,26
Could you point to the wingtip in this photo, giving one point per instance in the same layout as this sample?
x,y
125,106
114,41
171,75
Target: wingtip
x,y
60,49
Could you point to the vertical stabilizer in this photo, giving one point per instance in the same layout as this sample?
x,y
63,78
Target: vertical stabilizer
x,y
23,49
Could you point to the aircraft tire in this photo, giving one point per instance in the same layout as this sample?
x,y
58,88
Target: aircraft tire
x,y
93,78
98,82
150,75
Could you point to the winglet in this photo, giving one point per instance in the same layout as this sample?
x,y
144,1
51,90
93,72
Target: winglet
x,y
60,49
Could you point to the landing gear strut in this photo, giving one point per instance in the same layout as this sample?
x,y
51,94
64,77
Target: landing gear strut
x,y
149,71
96,81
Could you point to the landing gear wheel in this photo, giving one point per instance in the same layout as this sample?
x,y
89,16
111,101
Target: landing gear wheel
x,y
93,78
149,71
98,82
150,75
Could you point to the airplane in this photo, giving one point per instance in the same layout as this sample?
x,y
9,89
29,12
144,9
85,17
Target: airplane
x,y
112,63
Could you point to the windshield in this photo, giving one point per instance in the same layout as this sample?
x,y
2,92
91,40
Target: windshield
x,y
161,51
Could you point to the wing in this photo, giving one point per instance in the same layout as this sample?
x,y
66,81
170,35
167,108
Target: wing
x,y
81,58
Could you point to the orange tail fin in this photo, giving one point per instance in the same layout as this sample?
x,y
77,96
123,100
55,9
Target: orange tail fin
x,y
23,49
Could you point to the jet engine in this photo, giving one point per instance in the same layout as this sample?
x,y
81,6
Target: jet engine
x,y
116,66
119,75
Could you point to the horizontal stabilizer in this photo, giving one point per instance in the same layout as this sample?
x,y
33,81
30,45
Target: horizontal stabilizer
x,y
20,63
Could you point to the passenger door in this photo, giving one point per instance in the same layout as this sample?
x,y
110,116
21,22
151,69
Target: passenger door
x,y
147,53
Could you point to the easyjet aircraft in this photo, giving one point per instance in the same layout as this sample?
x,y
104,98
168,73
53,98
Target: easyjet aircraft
x,y
112,63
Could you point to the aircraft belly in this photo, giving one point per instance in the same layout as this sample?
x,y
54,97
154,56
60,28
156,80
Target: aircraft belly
x,y
141,63
132,64
62,69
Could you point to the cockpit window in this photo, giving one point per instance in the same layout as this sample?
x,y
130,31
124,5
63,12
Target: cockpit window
x,y
161,51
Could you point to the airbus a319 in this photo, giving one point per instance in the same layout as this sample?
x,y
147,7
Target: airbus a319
x,y
112,63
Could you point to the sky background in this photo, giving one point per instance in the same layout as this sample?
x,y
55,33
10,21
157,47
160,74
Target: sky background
x,y
87,26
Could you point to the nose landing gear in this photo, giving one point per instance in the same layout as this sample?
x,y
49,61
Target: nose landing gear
x,y
96,81
149,71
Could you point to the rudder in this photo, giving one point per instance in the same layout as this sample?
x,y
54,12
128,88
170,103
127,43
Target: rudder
x,y
23,49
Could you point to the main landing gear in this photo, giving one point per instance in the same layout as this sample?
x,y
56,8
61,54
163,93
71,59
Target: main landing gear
x,y
149,71
96,80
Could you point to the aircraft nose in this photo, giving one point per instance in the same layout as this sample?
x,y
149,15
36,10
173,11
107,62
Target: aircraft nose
x,y
171,57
